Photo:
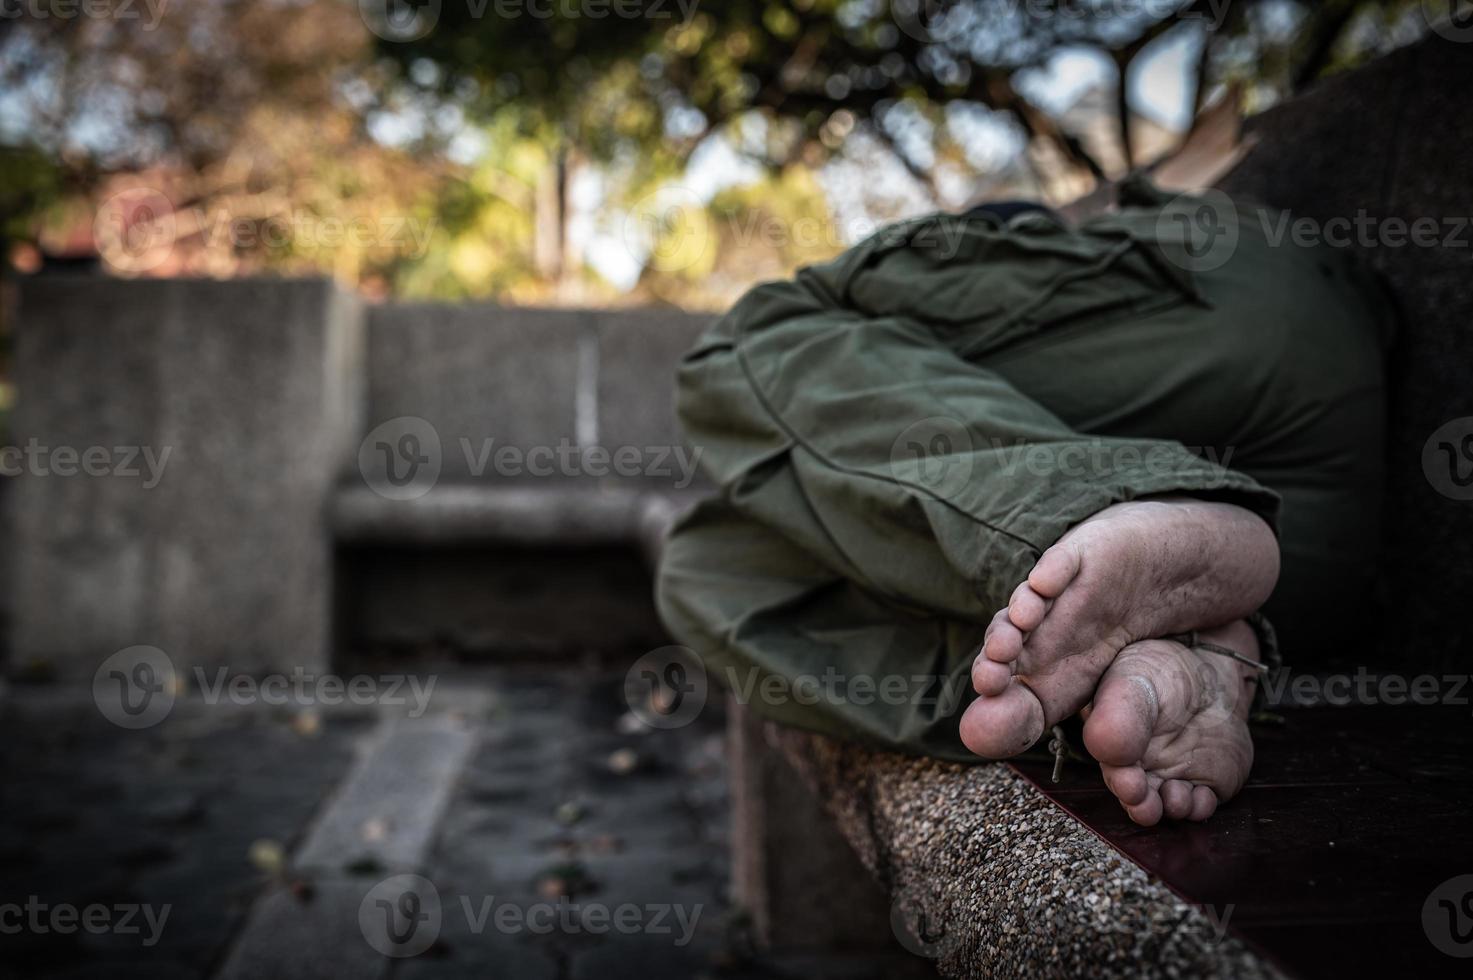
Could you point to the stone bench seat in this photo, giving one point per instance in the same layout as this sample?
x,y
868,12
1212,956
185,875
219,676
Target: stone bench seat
x,y
561,513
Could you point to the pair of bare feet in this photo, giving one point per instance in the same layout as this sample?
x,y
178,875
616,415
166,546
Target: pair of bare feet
x,y
1087,630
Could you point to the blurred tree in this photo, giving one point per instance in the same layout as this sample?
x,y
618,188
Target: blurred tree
x,y
597,74
483,240
705,257
223,136
212,137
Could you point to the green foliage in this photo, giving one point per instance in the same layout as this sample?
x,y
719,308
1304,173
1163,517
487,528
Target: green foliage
x,y
30,183
659,74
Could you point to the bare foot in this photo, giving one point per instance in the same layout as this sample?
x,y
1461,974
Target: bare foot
x,y
1169,726
1131,572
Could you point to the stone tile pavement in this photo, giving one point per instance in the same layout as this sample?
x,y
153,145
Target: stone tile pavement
x,y
564,840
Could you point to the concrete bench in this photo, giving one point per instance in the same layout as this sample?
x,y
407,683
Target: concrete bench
x,y
553,433
497,385
259,402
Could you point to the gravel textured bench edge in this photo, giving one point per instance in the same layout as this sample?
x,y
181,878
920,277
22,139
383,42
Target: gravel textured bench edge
x,y
1008,883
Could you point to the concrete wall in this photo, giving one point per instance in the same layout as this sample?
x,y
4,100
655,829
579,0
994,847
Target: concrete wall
x,y
246,409
477,372
218,552
638,352
487,377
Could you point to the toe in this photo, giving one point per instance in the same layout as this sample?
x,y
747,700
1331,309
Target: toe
x,y
1177,799
1204,803
989,678
1001,727
1128,783
1026,609
1122,717
1055,570
1147,813
1004,643
1001,616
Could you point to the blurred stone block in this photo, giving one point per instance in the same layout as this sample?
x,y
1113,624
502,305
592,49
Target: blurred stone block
x,y
360,861
639,351
783,842
386,812
215,415
484,377
561,513
532,430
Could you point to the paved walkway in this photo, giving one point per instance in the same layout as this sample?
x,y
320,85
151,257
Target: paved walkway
x,y
524,827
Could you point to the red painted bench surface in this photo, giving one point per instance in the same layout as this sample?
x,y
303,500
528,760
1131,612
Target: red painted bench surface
x,y
1352,817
